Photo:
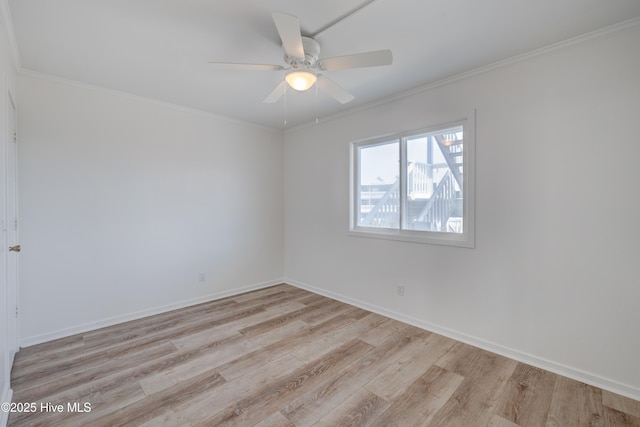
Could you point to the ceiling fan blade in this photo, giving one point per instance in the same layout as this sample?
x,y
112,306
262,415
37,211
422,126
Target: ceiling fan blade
x,y
288,28
275,94
242,66
366,59
332,88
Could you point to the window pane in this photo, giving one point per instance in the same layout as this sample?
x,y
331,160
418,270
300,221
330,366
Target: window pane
x,y
434,181
379,186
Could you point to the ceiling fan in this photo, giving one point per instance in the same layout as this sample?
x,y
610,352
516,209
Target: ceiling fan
x,y
303,64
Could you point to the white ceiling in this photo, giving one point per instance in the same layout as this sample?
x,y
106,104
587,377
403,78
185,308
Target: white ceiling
x,y
159,49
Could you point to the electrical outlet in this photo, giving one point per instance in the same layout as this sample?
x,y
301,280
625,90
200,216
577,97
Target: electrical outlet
x,y
400,290
202,277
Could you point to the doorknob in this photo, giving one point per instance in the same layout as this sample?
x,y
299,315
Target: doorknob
x,y
15,248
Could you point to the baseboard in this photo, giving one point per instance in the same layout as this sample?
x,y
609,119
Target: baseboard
x,y
7,395
62,333
549,365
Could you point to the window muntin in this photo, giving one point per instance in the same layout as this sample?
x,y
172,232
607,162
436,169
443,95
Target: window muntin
x,y
414,186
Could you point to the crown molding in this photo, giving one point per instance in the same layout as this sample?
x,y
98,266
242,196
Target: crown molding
x,y
478,71
7,23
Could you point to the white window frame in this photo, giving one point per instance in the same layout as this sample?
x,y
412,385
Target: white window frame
x,y
465,239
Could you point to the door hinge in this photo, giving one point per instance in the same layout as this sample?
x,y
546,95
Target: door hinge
x,y
15,136
17,311
15,224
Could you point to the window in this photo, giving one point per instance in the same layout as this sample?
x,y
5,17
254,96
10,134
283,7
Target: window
x,y
415,186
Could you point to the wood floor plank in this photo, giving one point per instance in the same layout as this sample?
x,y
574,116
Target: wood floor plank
x,y
360,410
328,342
283,356
621,403
620,419
79,373
383,331
394,380
278,320
167,419
278,334
284,346
189,363
233,327
179,373
527,396
497,421
201,408
274,347
204,315
475,400
275,420
592,413
421,400
276,289
331,309
48,349
263,402
309,407
149,325
566,404
158,403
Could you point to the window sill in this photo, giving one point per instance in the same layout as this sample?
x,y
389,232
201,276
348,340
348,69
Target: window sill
x,y
461,240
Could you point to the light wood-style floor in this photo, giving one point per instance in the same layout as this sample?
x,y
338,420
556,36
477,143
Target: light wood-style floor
x,y
283,356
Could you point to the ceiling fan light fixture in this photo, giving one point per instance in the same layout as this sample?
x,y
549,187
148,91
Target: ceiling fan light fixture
x,y
300,80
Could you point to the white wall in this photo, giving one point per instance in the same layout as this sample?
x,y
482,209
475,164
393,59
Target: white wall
x,y
554,278
124,202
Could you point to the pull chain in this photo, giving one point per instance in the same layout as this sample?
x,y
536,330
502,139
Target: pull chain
x,y
285,105
316,102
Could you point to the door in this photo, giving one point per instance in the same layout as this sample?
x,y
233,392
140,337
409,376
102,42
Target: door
x,y
12,227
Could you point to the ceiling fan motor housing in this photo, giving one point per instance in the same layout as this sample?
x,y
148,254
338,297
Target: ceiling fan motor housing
x,y
311,53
